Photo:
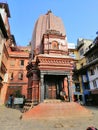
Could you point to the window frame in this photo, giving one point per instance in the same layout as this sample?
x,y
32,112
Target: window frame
x,y
21,62
55,45
20,76
11,76
92,72
94,83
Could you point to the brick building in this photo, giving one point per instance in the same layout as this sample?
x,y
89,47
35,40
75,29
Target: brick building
x,y
4,42
17,80
13,59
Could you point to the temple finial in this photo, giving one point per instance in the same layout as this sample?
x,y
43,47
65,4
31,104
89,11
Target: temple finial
x,y
49,11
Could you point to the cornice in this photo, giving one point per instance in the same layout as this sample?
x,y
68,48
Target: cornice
x,y
54,36
16,55
18,83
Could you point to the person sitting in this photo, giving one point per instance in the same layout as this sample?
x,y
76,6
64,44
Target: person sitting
x,y
63,94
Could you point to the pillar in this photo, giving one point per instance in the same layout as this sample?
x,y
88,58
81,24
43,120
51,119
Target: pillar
x,y
35,87
69,88
66,86
42,88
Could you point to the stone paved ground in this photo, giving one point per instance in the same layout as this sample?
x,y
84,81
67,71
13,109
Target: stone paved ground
x,y
10,120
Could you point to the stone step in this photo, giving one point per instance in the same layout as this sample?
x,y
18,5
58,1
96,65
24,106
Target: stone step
x,y
59,110
52,101
28,105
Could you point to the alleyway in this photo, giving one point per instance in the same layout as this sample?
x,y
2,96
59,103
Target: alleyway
x,y
10,120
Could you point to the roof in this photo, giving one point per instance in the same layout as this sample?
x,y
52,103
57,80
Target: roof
x,y
82,41
93,47
56,56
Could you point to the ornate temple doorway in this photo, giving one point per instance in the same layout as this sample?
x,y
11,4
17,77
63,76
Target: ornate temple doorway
x,y
53,86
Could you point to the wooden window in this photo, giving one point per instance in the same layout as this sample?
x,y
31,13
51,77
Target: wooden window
x,y
21,62
77,87
94,84
92,72
81,64
20,76
11,76
12,62
81,52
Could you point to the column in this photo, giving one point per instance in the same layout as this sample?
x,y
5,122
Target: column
x,y
35,87
42,88
69,88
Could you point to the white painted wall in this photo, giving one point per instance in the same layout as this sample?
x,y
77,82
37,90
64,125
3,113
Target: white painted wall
x,y
93,77
4,17
86,42
3,14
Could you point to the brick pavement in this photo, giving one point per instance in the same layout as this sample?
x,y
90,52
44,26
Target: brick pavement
x,y
10,120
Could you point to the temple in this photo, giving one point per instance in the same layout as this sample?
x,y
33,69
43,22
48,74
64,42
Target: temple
x,y
49,69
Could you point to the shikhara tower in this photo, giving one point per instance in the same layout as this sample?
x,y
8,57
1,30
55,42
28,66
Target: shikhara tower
x,y
50,67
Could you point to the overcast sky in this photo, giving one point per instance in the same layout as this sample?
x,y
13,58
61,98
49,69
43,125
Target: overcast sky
x,y
80,17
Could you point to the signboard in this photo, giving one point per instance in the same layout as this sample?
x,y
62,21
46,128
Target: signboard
x,y
18,100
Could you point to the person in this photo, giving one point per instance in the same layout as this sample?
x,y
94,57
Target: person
x,y
91,128
10,101
63,94
24,100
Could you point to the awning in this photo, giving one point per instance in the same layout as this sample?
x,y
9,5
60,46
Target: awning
x,y
94,91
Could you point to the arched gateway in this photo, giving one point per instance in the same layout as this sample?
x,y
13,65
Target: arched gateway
x,y
50,67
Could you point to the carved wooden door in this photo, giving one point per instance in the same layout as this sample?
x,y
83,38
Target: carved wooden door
x,y
52,91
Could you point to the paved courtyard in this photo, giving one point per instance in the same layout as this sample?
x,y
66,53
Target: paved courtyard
x,y
10,119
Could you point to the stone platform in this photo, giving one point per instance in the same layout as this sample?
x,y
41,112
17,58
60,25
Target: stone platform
x,y
56,109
